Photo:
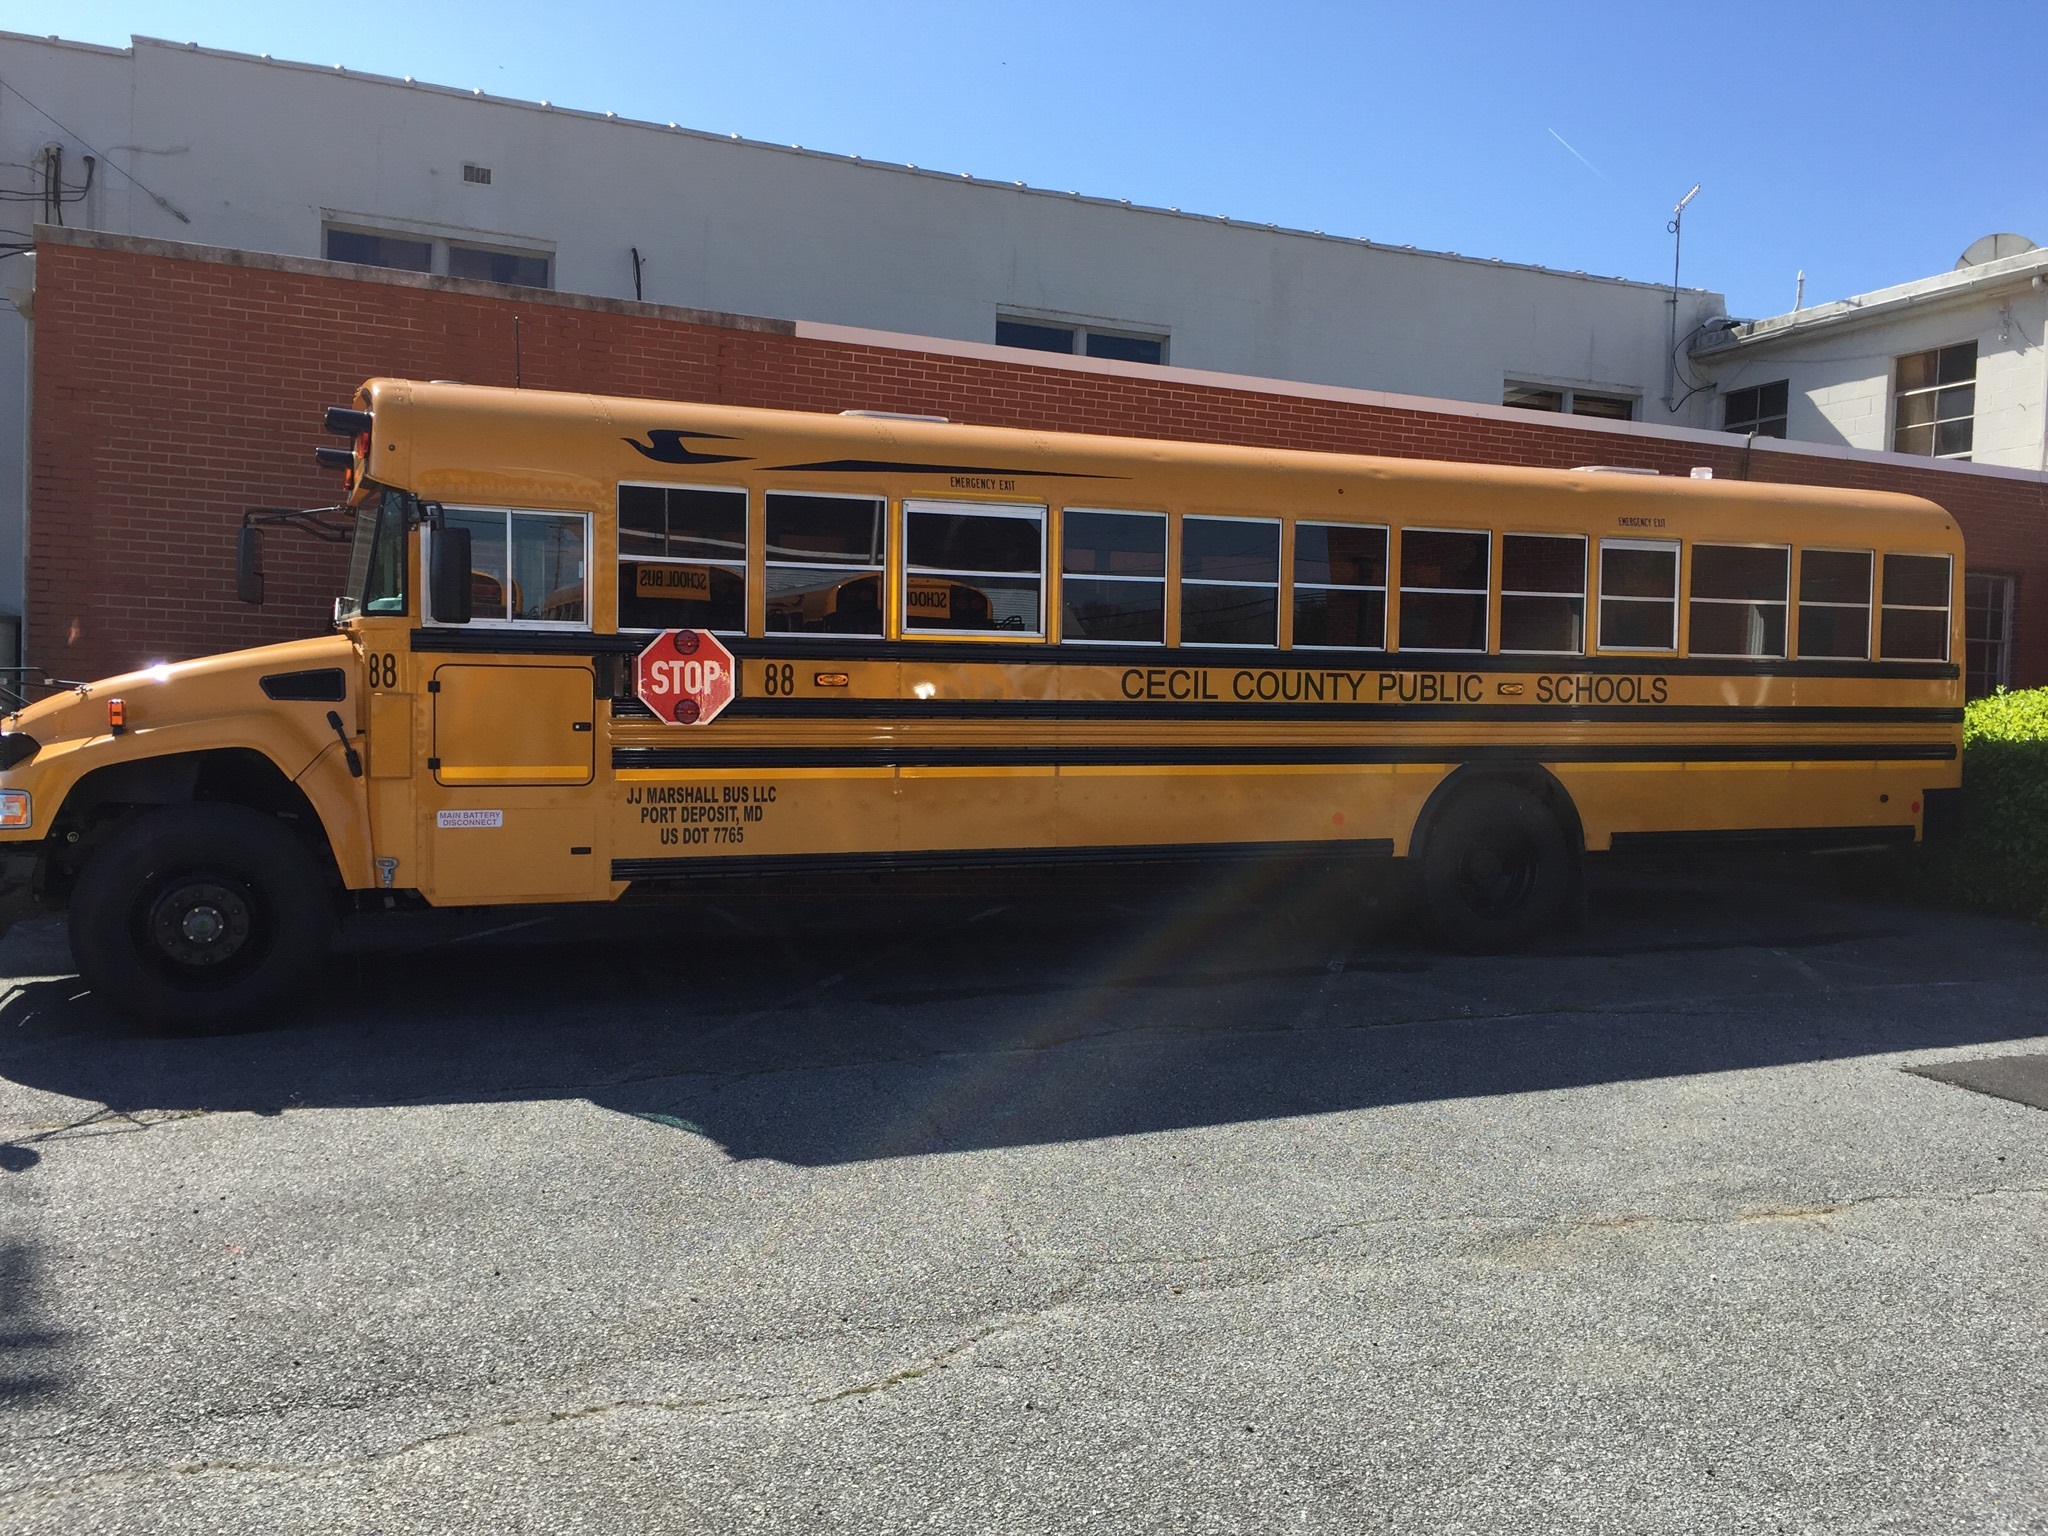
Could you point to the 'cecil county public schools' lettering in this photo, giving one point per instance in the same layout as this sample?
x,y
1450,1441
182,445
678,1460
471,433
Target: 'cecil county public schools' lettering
x,y
1272,685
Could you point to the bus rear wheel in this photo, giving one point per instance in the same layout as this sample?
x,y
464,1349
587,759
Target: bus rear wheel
x,y
198,917
1496,871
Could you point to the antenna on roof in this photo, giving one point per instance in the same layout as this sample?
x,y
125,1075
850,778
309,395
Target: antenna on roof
x,y
1677,229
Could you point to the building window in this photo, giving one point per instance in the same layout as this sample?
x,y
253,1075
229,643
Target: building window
x,y
1229,581
1340,586
1987,632
1834,603
1913,615
1739,597
973,567
1443,589
1543,594
1570,402
1935,401
824,564
450,258
682,558
1638,595
526,567
1113,576
1761,409
521,269
393,251
1087,340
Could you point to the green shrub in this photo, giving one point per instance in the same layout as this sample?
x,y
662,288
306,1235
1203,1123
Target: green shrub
x,y
2001,861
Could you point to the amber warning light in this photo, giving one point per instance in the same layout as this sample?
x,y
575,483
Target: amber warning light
x,y
117,716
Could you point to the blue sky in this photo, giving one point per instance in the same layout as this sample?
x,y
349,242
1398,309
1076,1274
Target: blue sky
x,y
1866,143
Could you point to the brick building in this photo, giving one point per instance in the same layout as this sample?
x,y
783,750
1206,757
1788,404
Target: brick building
x,y
173,385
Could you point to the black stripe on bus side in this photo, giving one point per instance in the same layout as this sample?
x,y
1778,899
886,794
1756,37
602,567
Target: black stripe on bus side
x,y
1761,839
712,758
1120,709
828,650
983,858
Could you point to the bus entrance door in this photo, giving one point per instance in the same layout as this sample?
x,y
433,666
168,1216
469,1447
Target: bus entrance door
x,y
511,813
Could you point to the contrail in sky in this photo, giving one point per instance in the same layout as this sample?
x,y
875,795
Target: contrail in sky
x,y
1589,165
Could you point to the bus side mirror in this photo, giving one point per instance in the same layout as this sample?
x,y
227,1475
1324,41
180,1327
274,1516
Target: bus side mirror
x,y
449,579
249,565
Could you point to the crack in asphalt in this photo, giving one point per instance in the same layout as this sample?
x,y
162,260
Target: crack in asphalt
x,y
43,1491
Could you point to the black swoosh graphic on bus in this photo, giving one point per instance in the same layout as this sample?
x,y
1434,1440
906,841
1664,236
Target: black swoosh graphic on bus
x,y
666,447
903,467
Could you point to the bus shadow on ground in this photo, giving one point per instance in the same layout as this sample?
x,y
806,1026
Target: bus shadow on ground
x,y
886,1020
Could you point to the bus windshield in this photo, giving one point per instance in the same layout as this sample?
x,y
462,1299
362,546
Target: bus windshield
x,y
376,564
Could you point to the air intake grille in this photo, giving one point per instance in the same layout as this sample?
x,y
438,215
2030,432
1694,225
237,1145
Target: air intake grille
x,y
479,174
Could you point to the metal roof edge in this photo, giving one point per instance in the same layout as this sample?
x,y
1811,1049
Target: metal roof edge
x,y
1880,303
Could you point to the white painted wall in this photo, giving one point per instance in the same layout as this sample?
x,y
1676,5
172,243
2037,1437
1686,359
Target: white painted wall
x,y
256,155
1841,368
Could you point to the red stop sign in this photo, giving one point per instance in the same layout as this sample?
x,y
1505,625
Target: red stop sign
x,y
686,677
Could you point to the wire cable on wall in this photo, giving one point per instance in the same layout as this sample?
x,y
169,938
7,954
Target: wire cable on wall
x,y
147,191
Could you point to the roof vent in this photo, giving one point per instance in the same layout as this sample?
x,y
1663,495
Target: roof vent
x,y
477,175
896,416
1994,248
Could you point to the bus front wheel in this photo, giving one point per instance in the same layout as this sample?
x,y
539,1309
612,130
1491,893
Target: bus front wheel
x,y
1496,871
197,917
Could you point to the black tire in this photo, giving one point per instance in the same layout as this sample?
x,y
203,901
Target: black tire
x,y
196,918
1496,871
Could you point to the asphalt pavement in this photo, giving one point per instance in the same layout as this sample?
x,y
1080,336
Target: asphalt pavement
x,y
1183,1201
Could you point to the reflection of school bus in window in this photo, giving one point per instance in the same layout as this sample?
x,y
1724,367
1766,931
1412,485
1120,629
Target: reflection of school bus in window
x,y
1084,649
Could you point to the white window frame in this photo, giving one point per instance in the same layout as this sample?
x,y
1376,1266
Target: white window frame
x,y
770,563
559,626
1296,585
1568,395
437,238
1016,510
1947,609
1402,589
739,565
2001,643
1901,396
1868,605
1178,558
1160,581
1740,602
1583,594
1082,330
1677,553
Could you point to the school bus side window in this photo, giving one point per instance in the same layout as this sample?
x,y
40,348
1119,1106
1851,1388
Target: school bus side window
x,y
526,567
973,567
1913,618
1443,589
1340,586
1834,603
1738,601
1543,594
682,558
1113,576
1638,595
824,564
1229,581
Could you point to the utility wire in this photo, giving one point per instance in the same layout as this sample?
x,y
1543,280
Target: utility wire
x,y
148,191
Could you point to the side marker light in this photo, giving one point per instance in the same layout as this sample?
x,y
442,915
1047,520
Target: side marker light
x,y
14,809
117,716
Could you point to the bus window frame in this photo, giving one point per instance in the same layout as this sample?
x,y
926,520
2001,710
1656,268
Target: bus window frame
x,y
744,565
1676,548
585,625
1162,580
1018,511
1947,610
1400,589
880,570
1291,565
1693,547
1584,594
1177,597
1869,605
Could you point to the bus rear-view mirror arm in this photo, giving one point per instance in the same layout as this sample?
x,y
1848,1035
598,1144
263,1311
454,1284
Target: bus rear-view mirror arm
x,y
316,521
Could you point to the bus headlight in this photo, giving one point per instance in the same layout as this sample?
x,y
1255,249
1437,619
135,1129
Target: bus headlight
x,y
14,810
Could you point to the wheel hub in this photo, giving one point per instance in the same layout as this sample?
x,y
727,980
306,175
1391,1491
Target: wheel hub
x,y
200,922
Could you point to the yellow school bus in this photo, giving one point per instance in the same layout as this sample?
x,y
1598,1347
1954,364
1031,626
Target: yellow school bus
x,y
969,646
